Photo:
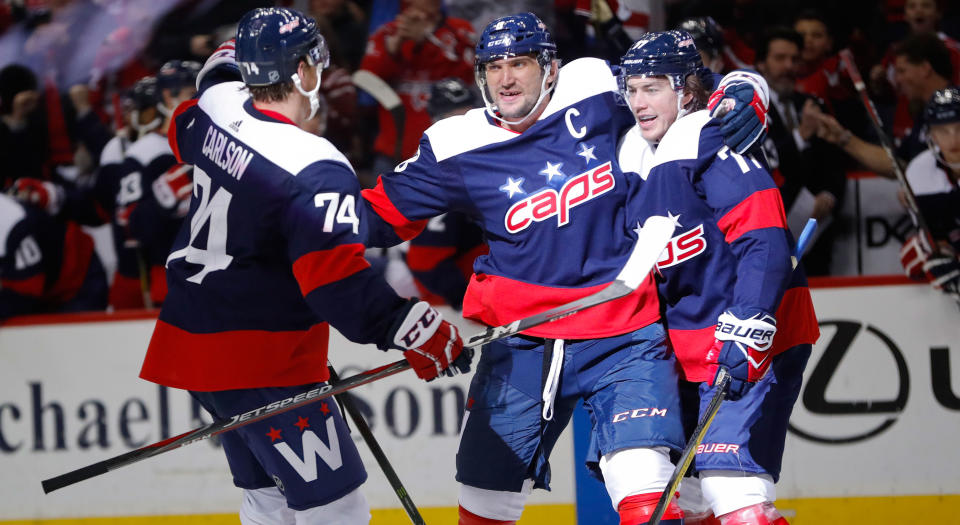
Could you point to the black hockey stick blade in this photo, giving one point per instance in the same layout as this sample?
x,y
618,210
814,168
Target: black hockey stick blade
x,y
651,241
722,383
347,400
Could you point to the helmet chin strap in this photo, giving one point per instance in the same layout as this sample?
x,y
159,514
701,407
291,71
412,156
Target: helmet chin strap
x,y
544,91
313,94
144,128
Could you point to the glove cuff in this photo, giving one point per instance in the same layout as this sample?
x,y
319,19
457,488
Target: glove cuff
x,y
755,332
415,324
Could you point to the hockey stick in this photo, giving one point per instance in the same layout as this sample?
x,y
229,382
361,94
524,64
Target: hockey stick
x,y
846,57
722,382
346,399
651,241
386,97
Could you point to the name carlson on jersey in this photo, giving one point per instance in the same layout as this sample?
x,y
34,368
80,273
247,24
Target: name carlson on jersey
x,y
683,247
549,202
225,153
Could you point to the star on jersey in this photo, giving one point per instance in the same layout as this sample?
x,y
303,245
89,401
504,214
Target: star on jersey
x,y
512,187
552,170
675,219
587,152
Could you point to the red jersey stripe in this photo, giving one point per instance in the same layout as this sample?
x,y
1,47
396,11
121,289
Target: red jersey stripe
x,y
404,228
495,300
31,286
236,359
315,269
426,258
763,209
172,132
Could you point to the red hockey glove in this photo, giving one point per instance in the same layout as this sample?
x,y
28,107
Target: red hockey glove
x,y
432,345
174,188
741,102
42,194
912,258
742,347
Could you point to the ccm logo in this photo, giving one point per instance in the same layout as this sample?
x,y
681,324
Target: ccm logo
x,y
717,448
683,247
413,335
547,203
638,413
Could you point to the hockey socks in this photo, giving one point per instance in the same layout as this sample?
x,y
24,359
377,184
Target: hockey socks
x,y
759,514
637,509
469,518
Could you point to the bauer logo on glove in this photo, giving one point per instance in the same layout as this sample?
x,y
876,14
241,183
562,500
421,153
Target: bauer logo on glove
x,y
756,332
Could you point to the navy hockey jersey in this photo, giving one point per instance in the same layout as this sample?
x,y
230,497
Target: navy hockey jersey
x,y
270,252
550,201
938,197
731,250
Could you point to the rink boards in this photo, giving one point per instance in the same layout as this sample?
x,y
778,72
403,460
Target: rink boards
x,y
872,436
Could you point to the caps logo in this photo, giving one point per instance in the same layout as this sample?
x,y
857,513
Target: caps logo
x,y
289,26
550,203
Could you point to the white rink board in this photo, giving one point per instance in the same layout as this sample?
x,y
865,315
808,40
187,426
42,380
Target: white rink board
x,y
88,363
916,453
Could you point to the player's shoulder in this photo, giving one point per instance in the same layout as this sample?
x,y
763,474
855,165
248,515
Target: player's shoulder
x,y
926,176
113,151
148,147
689,138
11,213
579,80
281,143
634,153
459,134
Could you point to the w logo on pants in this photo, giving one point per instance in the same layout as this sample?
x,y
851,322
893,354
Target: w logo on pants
x,y
312,447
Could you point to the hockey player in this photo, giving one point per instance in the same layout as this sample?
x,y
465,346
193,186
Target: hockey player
x,y
536,169
270,252
933,176
727,277
47,265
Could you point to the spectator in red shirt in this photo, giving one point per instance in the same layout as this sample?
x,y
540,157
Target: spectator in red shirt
x,y
421,46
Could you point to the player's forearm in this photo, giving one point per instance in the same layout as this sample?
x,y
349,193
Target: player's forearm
x,y
763,269
873,157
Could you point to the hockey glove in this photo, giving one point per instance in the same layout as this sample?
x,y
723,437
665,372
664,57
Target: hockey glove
x,y
431,345
42,194
741,102
221,65
742,347
173,190
944,272
912,257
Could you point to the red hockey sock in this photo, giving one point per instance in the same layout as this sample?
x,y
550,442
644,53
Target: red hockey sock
x,y
469,518
760,514
637,509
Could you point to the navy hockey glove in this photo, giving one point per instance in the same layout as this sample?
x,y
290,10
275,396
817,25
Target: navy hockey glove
x,y
944,272
741,102
742,347
431,345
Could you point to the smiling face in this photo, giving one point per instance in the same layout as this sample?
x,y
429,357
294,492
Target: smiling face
x,y
514,85
653,102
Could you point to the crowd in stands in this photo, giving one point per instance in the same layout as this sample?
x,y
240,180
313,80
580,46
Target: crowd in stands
x,y
87,88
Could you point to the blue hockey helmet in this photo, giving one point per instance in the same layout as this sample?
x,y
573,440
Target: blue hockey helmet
x,y
178,74
512,36
515,35
144,95
672,54
271,42
706,33
943,108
